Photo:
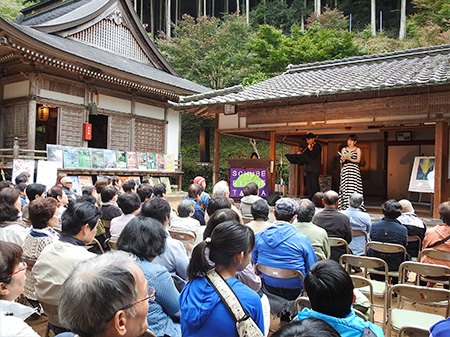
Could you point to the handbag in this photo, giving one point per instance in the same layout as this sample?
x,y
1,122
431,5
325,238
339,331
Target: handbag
x,y
245,325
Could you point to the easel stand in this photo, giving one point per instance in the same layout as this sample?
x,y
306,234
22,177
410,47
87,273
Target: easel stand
x,y
420,202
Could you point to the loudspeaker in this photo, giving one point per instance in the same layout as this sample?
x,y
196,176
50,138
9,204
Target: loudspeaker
x,y
272,199
204,145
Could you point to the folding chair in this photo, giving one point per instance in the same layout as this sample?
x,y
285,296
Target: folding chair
x,y
187,239
425,272
363,283
360,232
377,288
93,244
434,254
412,331
415,238
112,245
386,248
399,317
281,273
338,242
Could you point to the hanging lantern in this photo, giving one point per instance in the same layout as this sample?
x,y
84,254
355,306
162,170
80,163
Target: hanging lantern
x,y
43,113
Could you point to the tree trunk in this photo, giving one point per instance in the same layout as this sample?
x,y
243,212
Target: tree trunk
x,y
205,13
152,18
237,7
317,7
226,6
402,33
168,20
247,11
373,17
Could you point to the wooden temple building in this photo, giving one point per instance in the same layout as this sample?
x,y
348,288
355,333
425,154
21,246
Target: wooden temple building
x,y
88,61
398,104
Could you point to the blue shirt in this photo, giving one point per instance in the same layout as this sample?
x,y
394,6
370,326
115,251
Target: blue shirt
x,y
349,326
282,246
361,221
166,302
204,314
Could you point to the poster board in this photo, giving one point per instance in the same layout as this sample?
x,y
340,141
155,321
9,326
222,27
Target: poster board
x,y
47,172
239,178
422,175
23,165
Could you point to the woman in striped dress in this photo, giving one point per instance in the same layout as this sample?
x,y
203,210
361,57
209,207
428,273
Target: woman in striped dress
x,y
350,175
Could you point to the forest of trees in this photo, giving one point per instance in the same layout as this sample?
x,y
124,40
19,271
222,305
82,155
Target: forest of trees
x,y
232,45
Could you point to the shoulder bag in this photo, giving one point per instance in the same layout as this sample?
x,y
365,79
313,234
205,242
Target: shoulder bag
x,y
245,325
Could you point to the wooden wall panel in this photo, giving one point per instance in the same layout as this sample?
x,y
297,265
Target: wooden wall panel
x,y
150,135
71,126
120,132
15,124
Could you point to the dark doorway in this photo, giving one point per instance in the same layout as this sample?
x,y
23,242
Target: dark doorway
x,y
46,126
99,131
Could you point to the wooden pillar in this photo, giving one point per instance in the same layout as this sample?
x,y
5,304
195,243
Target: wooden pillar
x,y
34,90
273,158
440,166
133,122
293,175
216,151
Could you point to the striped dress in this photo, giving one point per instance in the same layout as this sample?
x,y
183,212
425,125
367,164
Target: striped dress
x,y
350,181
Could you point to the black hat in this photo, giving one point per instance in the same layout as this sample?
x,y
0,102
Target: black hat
x,y
310,135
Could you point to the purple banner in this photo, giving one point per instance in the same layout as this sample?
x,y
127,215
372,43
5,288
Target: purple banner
x,y
239,178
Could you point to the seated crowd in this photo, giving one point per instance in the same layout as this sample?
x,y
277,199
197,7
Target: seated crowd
x,y
190,271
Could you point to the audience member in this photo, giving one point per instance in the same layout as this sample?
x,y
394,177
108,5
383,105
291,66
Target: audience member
x,y
145,192
129,186
260,213
12,281
145,238
335,223
330,290
359,220
221,189
204,200
230,247
67,188
317,235
109,208
100,184
308,327
33,191
57,260
389,230
282,246
22,194
60,196
250,196
12,228
174,257
22,178
317,200
58,179
117,183
159,190
438,236
195,194
43,216
106,296
183,223
6,184
130,204
413,224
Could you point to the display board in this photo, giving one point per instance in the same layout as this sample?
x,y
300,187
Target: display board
x,y
422,175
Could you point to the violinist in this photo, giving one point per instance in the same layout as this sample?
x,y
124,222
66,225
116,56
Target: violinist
x,y
313,155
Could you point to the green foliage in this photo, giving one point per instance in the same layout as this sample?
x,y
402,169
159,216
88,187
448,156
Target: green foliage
x,y
10,9
330,19
381,43
209,51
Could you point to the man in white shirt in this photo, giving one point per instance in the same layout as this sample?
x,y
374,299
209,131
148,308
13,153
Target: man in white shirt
x,y
130,204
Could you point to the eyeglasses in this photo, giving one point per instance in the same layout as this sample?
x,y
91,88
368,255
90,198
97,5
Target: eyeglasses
x,y
24,267
151,292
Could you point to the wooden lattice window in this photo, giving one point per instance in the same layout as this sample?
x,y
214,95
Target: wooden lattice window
x,y
150,135
117,38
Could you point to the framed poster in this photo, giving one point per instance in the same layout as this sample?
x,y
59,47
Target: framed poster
x,y
23,165
422,175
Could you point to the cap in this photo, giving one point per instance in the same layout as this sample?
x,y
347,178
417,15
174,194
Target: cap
x,y
286,205
407,207
199,180
66,180
310,135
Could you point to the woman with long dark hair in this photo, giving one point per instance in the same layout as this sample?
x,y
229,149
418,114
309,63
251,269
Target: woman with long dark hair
x,y
12,228
202,311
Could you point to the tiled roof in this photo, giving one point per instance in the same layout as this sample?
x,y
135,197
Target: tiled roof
x,y
407,68
110,60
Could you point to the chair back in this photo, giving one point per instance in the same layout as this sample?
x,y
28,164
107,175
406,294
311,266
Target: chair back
x,y
187,239
412,331
51,311
422,269
385,247
338,242
95,243
414,238
362,282
360,232
111,244
435,254
279,272
365,262
246,220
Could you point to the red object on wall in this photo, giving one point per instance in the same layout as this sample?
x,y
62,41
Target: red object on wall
x,y
87,131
